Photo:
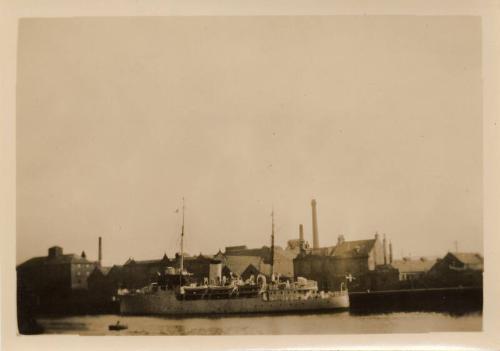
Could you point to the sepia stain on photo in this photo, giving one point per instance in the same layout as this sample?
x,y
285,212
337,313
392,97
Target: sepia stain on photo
x,y
249,175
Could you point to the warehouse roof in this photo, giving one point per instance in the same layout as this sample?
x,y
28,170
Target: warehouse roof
x,y
356,248
60,259
238,264
346,249
471,260
408,265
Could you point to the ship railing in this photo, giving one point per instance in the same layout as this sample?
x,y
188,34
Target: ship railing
x,y
337,293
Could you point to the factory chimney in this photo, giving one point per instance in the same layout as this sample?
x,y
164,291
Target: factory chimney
x,y
390,252
301,233
385,250
100,252
315,225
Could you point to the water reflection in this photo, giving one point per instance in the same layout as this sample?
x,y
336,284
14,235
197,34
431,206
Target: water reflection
x,y
337,323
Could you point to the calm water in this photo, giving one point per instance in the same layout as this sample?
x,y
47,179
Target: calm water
x,y
337,323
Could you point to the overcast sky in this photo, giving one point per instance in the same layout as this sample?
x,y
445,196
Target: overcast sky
x,y
378,118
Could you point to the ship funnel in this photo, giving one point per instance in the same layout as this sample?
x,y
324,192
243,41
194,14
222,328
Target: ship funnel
x,y
215,272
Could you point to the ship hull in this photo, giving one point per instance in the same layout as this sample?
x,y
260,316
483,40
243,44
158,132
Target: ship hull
x,y
166,303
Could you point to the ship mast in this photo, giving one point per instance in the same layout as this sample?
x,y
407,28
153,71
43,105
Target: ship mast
x,y
272,243
182,245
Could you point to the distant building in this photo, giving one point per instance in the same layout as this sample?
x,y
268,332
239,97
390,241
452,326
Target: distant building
x,y
55,274
105,281
413,268
137,274
103,284
360,264
198,266
238,258
457,269
363,264
238,264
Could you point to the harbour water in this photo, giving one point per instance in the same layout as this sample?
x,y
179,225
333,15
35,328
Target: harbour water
x,y
328,323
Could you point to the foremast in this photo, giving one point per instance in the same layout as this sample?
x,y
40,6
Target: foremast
x,y
181,266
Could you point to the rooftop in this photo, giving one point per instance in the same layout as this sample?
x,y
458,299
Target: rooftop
x,y
238,264
410,265
472,260
346,249
60,259
356,248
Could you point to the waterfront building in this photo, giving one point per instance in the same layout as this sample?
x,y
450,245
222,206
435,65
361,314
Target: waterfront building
x,y
137,274
55,274
237,259
105,281
457,269
411,269
197,266
238,264
362,264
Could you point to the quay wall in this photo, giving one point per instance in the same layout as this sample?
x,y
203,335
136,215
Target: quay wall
x,y
453,300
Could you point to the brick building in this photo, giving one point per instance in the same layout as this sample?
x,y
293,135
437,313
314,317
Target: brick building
x,y
362,264
55,274
53,283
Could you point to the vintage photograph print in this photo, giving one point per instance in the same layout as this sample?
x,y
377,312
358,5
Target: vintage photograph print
x,y
260,175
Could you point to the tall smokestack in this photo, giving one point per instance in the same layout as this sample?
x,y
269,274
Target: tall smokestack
x,y
390,252
315,225
302,245
385,250
100,251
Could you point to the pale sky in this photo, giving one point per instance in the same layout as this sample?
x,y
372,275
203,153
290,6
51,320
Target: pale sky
x,y
378,118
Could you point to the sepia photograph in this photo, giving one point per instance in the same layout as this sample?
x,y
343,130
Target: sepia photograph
x,y
249,175
249,179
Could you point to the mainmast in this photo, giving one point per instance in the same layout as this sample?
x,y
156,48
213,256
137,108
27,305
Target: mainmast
x,y
272,243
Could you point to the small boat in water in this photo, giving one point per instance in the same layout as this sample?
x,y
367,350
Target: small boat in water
x,y
117,326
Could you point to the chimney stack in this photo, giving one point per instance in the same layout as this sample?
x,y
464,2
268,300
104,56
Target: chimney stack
x,y
315,225
385,250
390,252
375,255
301,233
100,251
